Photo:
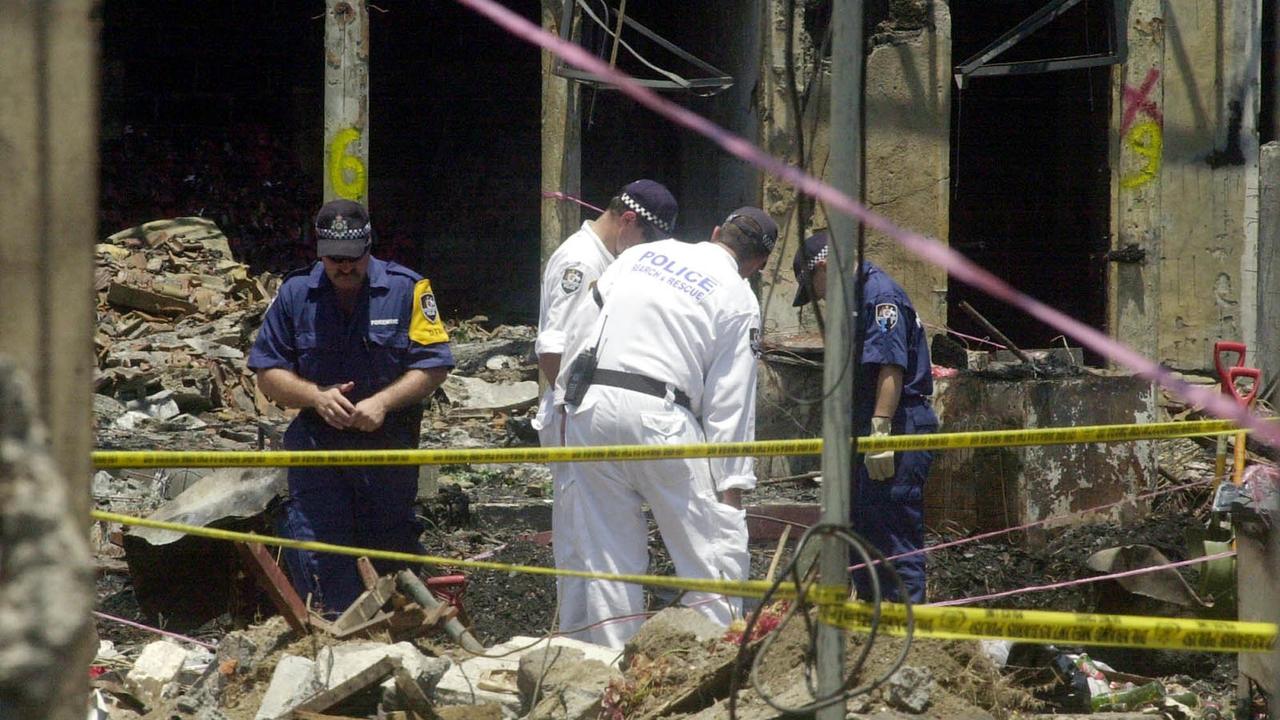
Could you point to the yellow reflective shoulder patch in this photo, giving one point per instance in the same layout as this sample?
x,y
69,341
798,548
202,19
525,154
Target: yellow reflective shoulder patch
x,y
426,327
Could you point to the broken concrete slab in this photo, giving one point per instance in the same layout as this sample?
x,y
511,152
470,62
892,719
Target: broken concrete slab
x,y
155,669
362,679
153,303
1166,584
191,580
910,689
223,493
461,685
567,685
160,406
476,394
473,356
672,628
293,680
486,711
338,663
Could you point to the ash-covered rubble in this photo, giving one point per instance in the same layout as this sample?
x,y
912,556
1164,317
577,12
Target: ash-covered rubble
x,y
176,317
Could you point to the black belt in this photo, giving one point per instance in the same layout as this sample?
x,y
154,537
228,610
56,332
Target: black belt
x,y
639,383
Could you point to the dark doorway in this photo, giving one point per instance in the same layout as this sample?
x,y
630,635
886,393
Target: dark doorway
x,y
215,109
1030,177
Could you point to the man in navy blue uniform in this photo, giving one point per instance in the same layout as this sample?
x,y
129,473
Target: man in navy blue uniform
x,y
896,381
356,343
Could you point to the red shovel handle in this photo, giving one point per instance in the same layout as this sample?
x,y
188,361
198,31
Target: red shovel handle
x,y
1244,372
1222,347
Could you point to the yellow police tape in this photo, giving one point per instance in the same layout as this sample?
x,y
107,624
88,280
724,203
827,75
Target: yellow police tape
x,y
937,441
1034,626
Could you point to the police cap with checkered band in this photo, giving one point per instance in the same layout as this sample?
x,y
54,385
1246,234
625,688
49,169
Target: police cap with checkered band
x,y
653,202
812,252
343,229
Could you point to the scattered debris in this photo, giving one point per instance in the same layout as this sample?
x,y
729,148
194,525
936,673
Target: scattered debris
x,y
176,317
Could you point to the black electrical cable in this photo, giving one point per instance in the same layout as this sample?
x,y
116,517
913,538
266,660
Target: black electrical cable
x,y
799,609
803,210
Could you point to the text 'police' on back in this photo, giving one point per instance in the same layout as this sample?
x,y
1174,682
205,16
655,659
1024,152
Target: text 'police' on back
x,y
681,277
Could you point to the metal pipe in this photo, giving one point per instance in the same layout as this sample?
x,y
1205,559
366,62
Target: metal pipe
x,y
965,306
412,586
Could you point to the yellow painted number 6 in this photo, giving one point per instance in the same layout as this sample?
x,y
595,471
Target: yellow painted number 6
x,y
343,164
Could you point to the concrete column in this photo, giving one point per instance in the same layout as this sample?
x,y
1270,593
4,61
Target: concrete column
x,y
1267,353
48,222
561,144
1137,140
908,156
346,100
908,150
1246,41
778,124
1202,149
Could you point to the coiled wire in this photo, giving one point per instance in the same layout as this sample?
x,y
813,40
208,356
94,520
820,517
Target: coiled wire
x,y
871,557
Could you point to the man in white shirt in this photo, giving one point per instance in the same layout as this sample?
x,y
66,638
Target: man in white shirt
x,y
644,210
675,350
641,211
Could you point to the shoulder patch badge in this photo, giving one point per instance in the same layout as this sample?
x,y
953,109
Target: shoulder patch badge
x,y
426,328
887,316
427,303
571,280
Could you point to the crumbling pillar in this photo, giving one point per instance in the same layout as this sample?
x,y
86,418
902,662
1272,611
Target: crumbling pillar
x,y
48,154
46,579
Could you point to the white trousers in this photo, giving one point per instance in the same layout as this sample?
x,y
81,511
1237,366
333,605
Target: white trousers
x,y
599,523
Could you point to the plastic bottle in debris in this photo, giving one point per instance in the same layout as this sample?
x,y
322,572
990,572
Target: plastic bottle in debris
x,y
1131,699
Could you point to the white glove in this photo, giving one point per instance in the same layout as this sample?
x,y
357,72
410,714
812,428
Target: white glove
x,y
880,464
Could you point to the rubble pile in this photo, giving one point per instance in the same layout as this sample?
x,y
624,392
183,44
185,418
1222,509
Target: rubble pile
x,y
175,314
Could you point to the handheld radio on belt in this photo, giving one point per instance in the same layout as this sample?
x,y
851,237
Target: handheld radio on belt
x,y
583,370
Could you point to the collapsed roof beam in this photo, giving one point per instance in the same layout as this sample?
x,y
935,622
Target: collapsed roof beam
x,y
979,64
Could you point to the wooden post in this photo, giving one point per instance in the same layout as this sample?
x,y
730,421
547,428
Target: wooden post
x,y
346,100
48,223
561,144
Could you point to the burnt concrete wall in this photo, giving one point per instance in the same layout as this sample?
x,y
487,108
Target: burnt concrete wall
x,y
986,489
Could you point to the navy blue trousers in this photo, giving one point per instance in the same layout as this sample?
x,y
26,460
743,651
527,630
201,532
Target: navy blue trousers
x,y
369,507
890,514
